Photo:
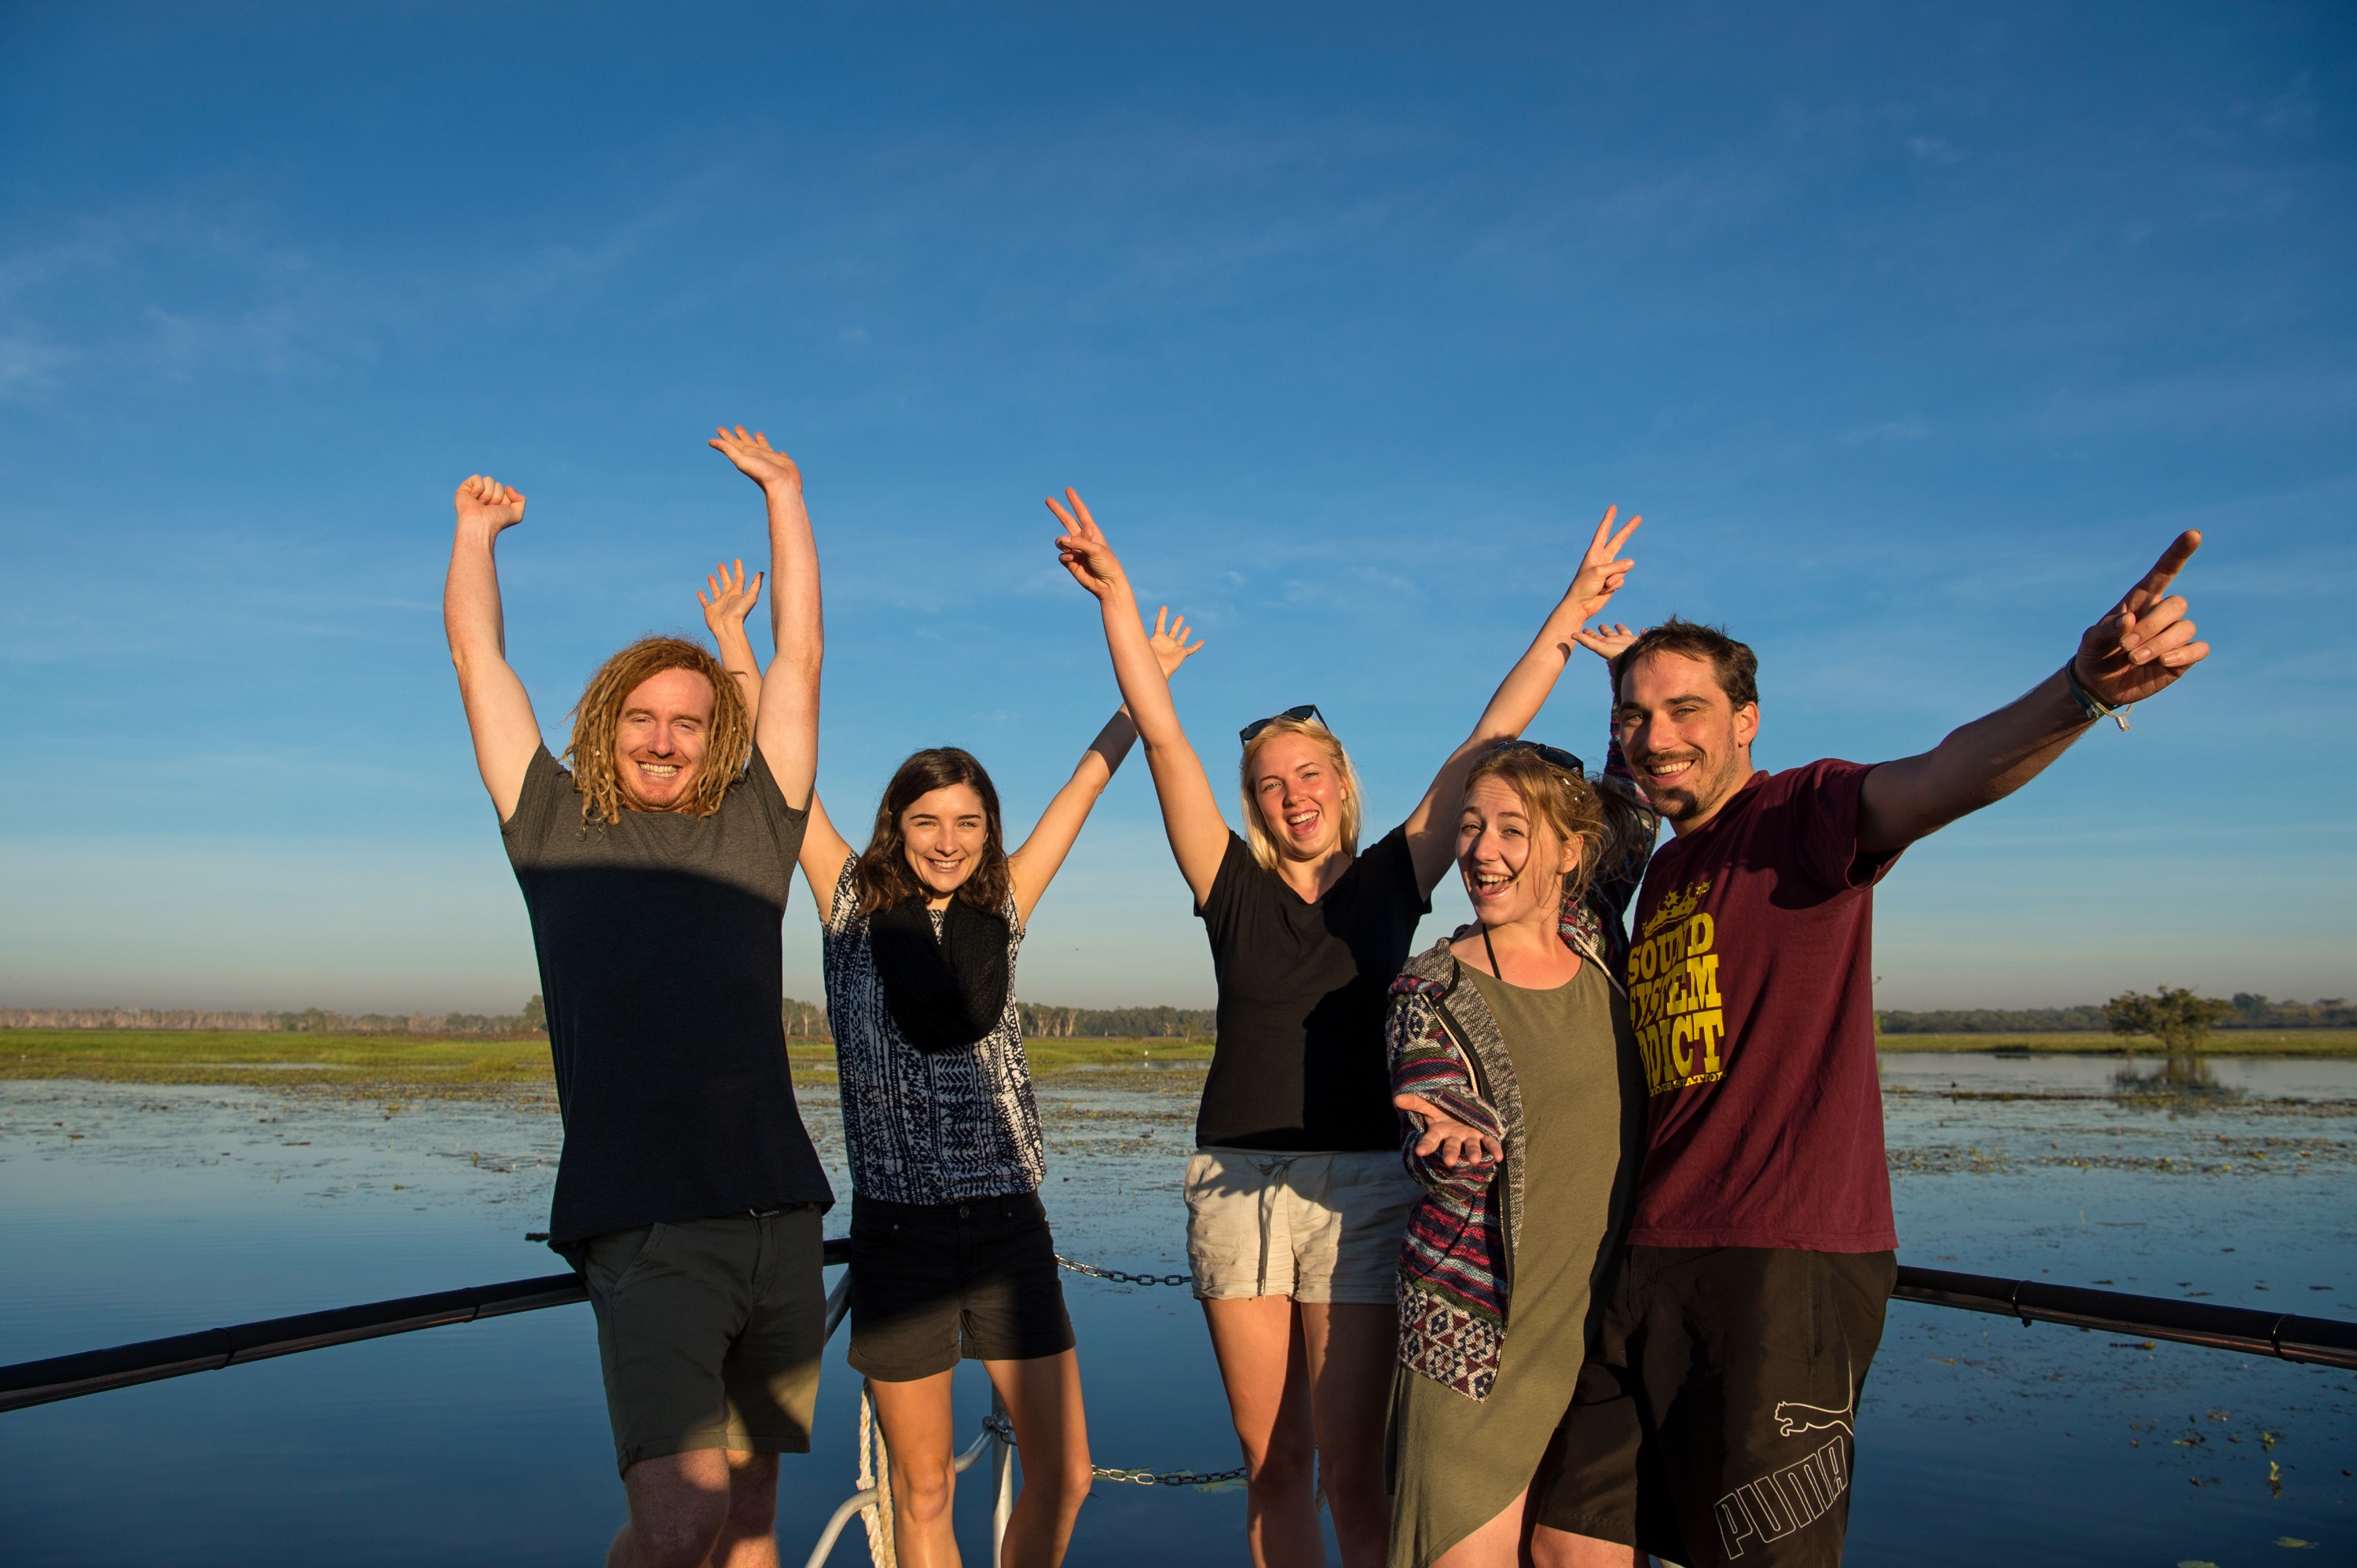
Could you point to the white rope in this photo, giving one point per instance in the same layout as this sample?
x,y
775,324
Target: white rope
x,y
876,1472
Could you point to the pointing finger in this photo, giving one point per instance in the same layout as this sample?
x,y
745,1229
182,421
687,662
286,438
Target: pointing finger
x,y
2172,560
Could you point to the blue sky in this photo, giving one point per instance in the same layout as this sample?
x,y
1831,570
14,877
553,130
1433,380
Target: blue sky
x,y
1914,333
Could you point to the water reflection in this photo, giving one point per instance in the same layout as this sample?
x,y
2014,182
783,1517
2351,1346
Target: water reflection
x,y
129,1211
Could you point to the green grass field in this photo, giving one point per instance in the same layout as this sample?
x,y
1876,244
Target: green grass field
x,y
415,1063
2225,1043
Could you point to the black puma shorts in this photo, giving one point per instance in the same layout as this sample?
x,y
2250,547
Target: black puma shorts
x,y
1715,1420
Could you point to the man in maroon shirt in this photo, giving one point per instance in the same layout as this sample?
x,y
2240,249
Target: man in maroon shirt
x,y
1715,1419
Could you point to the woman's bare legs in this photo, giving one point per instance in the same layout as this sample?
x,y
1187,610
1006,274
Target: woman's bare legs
x,y
1351,1348
1052,1433
1258,1342
921,1434
1497,1544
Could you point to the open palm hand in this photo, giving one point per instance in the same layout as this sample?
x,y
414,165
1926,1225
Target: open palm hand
x,y
731,599
1169,641
756,459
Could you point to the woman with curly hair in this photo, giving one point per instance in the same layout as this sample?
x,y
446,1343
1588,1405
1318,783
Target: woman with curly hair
x,y
1512,1056
951,1250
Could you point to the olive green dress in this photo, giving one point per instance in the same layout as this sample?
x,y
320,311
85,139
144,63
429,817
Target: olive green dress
x,y
1459,1463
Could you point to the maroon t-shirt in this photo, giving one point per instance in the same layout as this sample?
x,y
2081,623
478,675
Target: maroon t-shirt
x,y
1751,985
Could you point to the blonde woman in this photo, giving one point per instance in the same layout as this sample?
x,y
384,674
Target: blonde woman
x,y
1296,1198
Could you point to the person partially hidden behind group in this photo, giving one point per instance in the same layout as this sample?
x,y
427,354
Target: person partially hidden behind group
x,y
950,1254
655,872
1296,1197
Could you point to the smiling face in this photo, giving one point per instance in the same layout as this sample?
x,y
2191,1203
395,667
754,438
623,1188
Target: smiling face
x,y
660,739
1512,860
944,835
1689,745
1299,794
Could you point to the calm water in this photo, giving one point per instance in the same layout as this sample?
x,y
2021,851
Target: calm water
x,y
127,1212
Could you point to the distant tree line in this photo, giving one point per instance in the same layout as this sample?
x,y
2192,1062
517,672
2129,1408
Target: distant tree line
x,y
2248,1010
807,1021
533,1020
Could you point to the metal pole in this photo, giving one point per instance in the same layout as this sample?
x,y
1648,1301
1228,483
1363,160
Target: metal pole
x,y
1004,1507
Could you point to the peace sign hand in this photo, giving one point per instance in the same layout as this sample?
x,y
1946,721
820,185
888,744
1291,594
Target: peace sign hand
x,y
1601,571
1083,549
2145,642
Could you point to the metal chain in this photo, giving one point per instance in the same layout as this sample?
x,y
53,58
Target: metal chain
x,y
997,1427
1120,1277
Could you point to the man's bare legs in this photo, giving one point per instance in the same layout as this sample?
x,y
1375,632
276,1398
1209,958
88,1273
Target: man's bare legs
x,y
1308,1381
1561,1549
706,1506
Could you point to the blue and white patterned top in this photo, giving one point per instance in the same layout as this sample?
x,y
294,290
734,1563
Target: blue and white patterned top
x,y
938,1127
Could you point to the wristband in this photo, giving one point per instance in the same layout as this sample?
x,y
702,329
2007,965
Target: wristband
x,y
2095,707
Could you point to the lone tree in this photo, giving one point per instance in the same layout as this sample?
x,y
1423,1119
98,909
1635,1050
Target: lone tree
x,y
2176,1017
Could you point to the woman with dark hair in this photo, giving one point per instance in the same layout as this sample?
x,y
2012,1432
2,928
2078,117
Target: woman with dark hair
x,y
951,1251
1296,1199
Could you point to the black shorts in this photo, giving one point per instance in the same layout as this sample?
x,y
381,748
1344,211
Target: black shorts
x,y
932,1280
1715,1419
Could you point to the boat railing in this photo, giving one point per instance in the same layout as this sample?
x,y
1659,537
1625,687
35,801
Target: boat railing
x,y
2288,1337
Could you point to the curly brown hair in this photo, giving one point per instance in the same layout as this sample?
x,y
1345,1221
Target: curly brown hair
x,y
597,716
1567,802
883,875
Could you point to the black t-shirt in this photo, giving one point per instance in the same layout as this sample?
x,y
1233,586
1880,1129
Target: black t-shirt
x,y
1300,1062
661,965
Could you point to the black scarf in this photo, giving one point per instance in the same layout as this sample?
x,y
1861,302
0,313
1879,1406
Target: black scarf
x,y
945,993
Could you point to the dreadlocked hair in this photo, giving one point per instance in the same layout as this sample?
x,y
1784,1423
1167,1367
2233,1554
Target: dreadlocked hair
x,y
883,875
1562,798
597,717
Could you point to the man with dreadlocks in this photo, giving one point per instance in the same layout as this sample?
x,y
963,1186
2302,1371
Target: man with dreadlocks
x,y
655,872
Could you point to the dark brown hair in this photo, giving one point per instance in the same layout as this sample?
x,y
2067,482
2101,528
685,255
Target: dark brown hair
x,y
883,876
1737,667
598,715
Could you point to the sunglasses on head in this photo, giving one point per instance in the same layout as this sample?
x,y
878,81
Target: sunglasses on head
x,y
1301,715
1550,754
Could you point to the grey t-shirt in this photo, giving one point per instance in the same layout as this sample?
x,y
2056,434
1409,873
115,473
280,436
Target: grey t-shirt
x,y
660,962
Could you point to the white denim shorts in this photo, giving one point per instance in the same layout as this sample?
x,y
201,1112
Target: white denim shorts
x,y
1317,1228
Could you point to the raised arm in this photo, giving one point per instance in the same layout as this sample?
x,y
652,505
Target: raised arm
x,y
2138,649
731,600
725,607
498,713
1190,812
787,726
1035,863
1432,827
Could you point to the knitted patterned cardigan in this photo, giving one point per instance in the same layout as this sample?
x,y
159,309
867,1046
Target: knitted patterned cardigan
x,y
1455,1269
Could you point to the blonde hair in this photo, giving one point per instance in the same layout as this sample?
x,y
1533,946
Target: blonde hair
x,y
1256,834
597,716
1563,800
